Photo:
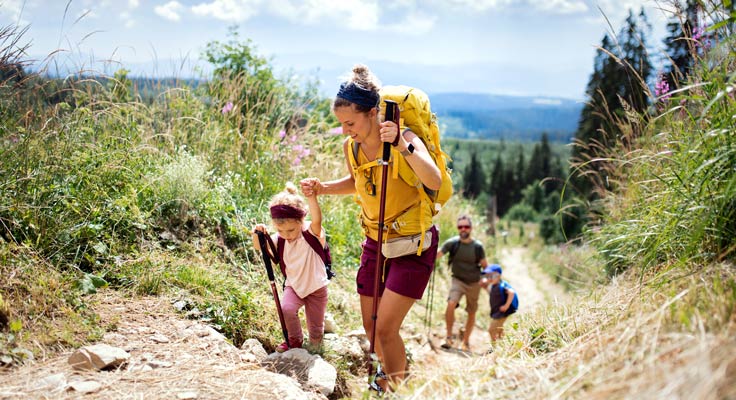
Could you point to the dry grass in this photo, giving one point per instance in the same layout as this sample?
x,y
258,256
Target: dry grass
x,y
624,340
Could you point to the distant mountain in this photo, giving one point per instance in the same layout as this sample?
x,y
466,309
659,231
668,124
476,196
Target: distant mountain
x,y
486,116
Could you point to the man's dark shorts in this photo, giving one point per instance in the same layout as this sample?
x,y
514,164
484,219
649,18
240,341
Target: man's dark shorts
x,y
407,275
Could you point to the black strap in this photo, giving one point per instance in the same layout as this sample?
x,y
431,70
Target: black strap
x,y
315,244
456,246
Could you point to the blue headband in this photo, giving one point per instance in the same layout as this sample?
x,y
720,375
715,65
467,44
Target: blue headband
x,y
356,94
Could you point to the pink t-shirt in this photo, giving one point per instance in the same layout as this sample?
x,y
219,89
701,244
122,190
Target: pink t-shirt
x,y
305,270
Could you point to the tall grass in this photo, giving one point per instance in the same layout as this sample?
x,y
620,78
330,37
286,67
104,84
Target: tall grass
x,y
154,197
674,181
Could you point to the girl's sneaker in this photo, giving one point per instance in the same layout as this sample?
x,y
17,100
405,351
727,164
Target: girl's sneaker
x,y
283,347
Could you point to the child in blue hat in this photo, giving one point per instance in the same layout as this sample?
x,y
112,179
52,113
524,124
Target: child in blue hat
x,y
503,298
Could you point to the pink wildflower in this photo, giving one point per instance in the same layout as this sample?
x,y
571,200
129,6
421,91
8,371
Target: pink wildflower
x,y
282,134
335,131
227,108
662,88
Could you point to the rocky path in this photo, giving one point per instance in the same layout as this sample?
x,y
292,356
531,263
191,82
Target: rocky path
x,y
168,357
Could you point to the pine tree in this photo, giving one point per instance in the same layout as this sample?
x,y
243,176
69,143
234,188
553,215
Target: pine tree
x,y
616,83
680,48
473,177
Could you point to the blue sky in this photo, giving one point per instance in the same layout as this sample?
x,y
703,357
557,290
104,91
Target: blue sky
x,y
521,47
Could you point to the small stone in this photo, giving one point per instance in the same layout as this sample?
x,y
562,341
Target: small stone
x,y
180,305
187,395
51,382
85,386
99,356
159,338
140,368
330,325
160,364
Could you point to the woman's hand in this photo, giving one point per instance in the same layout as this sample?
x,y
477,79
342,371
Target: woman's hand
x,y
388,131
503,308
310,186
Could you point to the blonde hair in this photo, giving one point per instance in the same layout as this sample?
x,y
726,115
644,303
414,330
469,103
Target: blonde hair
x,y
288,197
363,77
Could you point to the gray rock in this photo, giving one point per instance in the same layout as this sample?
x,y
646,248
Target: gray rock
x,y
310,370
85,386
267,385
348,347
254,347
50,383
330,325
362,338
159,338
98,356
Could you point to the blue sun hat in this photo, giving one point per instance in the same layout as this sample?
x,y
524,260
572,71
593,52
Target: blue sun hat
x,y
492,268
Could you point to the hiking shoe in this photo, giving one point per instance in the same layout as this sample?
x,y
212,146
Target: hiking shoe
x,y
283,347
374,384
448,343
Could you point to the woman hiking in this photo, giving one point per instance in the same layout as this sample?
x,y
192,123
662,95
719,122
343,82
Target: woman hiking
x,y
404,278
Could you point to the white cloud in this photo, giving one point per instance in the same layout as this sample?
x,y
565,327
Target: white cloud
x,y
12,9
546,6
170,10
483,5
358,15
228,10
560,6
133,3
414,24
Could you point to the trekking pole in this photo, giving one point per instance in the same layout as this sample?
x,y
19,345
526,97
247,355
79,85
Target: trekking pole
x,y
392,114
272,279
429,319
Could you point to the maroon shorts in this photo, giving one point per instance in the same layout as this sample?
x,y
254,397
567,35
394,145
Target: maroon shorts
x,y
407,275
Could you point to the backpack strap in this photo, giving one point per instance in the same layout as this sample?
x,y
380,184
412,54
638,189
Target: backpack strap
x,y
316,245
322,251
478,255
453,251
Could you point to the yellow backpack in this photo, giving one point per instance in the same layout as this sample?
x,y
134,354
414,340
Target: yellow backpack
x,y
416,115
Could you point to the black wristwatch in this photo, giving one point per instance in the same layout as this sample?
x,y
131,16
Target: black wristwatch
x,y
409,150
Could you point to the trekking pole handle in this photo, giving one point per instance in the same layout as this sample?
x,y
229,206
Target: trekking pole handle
x,y
392,114
266,257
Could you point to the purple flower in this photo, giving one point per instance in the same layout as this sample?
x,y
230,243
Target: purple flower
x,y
306,152
297,161
299,148
335,131
282,134
662,88
227,108
698,33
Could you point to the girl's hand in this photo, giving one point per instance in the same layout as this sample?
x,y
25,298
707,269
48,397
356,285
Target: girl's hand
x,y
503,308
389,130
310,186
260,228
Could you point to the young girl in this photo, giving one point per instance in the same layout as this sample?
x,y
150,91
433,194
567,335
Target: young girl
x,y
306,278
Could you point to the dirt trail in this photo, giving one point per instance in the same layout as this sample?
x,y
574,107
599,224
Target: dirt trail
x,y
534,288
